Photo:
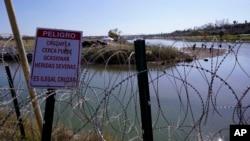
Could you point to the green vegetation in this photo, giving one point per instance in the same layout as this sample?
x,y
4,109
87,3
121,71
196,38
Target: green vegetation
x,y
114,33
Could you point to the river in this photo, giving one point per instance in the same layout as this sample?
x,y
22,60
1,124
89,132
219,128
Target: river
x,y
196,100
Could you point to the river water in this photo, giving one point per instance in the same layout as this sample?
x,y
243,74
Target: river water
x,y
197,100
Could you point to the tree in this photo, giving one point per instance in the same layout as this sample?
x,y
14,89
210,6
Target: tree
x,y
235,22
114,33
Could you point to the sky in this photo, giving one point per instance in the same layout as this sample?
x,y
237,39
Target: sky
x,y
97,17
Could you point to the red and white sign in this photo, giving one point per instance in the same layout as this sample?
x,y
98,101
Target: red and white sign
x,y
56,58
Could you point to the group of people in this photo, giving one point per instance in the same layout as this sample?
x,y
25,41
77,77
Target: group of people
x,y
211,48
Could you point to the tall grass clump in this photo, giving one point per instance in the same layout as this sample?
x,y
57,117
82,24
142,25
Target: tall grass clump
x,y
125,55
161,53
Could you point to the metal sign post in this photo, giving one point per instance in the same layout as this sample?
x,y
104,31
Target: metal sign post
x,y
48,115
145,104
13,94
55,64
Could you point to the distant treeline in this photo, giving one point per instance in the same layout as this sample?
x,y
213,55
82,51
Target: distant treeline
x,y
220,27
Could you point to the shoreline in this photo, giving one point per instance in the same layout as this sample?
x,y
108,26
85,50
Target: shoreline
x,y
185,54
203,53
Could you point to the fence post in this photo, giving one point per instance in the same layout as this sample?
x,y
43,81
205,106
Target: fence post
x,y
48,115
13,94
23,61
145,104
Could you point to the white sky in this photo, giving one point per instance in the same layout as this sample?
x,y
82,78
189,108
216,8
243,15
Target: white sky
x,y
97,17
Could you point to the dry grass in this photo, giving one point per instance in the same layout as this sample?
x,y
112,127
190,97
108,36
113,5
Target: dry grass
x,y
28,44
123,53
9,130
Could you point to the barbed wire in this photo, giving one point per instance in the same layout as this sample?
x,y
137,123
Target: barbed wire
x,y
187,98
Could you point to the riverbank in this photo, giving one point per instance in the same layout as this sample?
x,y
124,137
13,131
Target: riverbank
x,y
116,53
203,53
123,53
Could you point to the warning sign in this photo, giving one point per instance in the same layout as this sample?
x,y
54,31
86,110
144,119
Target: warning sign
x,y
56,58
